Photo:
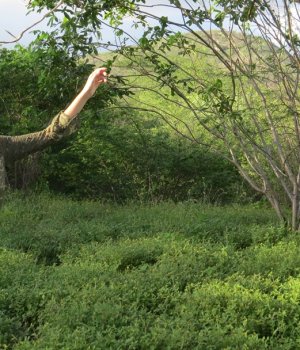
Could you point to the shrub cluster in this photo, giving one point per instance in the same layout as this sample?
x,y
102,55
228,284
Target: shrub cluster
x,y
127,156
116,155
84,275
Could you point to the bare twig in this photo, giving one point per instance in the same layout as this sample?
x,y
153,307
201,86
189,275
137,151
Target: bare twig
x,y
20,36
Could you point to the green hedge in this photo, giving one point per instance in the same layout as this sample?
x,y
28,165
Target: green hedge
x,y
116,155
168,276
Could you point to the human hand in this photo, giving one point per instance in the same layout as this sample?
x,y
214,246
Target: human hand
x,y
96,78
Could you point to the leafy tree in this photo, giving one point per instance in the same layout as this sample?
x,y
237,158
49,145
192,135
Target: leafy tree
x,y
116,154
245,106
125,156
36,83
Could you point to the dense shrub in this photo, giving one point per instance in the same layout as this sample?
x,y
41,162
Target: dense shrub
x,y
21,299
127,156
167,276
48,226
116,155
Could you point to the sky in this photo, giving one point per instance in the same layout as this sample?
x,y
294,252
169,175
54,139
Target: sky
x,y
14,19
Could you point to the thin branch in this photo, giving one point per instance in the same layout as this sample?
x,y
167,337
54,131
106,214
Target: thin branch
x,y
20,36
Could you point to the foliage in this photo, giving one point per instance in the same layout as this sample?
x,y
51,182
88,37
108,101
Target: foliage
x,y
115,155
36,84
164,276
125,156
245,107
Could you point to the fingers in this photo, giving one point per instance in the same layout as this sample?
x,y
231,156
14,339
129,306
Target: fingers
x,y
104,77
101,74
101,70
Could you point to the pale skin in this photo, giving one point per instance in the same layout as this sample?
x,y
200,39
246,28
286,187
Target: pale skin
x,y
98,77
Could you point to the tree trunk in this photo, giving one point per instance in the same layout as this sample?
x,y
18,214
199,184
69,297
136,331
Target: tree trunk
x,y
13,148
2,175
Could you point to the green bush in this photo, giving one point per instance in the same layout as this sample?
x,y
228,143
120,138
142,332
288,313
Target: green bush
x,y
48,226
280,260
166,276
123,157
21,299
117,156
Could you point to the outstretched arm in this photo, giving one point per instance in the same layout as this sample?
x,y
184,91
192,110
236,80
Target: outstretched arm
x,y
17,147
98,77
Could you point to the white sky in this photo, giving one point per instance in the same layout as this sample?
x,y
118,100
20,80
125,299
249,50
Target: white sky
x,y
14,18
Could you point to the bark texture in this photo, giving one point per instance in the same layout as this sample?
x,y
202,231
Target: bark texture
x,y
2,175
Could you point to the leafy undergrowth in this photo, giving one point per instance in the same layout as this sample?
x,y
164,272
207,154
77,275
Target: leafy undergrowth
x,y
86,275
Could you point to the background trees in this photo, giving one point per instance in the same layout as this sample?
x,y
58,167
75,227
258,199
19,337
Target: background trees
x,y
36,83
222,74
117,154
246,107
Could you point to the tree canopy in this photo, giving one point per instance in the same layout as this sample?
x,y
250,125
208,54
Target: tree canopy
x,y
237,93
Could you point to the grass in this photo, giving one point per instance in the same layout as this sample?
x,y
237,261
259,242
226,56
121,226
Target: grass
x,y
88,275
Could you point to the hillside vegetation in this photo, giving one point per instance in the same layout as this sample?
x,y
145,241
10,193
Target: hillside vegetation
x,y
117,154
168,269
87,275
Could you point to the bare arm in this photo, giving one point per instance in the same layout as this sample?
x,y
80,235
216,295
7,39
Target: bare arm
x,y
94,80
17,147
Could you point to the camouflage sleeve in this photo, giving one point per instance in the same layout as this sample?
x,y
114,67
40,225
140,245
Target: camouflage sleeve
x,y
62,126
16,147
